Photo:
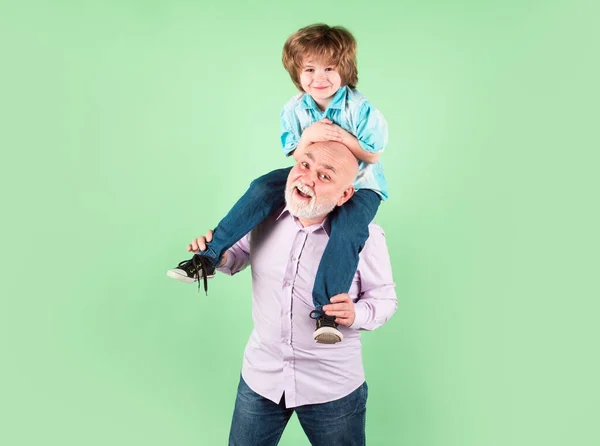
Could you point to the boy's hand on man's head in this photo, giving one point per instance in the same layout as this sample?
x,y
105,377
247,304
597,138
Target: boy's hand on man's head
x,y
323,130
343,132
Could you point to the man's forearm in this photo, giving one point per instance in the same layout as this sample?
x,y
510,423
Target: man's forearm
x,y
374,309
236,258
377,302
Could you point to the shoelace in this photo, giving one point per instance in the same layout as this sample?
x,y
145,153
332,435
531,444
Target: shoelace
x,y
320,314
200,263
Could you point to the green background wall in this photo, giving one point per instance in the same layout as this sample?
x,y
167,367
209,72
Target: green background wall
x,y
129,127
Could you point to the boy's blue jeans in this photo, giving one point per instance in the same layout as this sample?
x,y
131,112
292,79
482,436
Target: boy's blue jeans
x,y
258,421
349,231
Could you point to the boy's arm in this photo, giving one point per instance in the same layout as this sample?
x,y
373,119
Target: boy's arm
x,y
371,134
370,139
351,141
290,131
294,144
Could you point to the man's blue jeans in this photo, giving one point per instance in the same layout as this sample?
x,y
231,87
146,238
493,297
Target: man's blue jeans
x,y
258,421
349,231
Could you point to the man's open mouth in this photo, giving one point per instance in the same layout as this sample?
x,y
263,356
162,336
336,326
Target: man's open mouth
x,y
302,194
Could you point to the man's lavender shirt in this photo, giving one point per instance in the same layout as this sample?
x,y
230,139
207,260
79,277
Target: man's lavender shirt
x,y
281,355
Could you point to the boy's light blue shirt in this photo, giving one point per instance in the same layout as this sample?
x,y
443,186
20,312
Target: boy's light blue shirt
x,y
353,112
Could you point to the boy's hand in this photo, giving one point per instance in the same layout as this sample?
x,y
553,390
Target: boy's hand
x,y
199,244
323,130
344,134
342,308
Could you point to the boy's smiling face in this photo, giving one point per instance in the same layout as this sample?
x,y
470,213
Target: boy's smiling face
x,y
320,80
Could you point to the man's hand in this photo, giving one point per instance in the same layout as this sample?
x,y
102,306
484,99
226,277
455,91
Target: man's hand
x,y
342,308
199,244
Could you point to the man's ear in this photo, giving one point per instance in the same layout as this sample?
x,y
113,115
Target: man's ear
x,y
346,195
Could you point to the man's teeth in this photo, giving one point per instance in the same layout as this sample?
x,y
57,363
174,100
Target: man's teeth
x,y
302,194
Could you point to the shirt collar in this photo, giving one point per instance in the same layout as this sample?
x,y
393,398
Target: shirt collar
x,y
325,224
336,103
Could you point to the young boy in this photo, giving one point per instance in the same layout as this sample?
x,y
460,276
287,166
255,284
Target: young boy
x,y
321,61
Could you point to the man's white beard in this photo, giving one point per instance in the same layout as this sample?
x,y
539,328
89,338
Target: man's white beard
x,y
309,210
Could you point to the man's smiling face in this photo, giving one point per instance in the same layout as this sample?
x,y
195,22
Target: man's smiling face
x,y
321,180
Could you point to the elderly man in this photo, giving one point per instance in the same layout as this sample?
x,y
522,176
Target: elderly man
x,y
284,370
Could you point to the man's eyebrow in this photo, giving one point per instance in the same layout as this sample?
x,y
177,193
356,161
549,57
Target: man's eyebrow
x,y
310,156
327,166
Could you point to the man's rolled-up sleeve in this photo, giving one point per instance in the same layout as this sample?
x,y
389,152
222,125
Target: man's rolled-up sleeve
x,y
377,300
238,257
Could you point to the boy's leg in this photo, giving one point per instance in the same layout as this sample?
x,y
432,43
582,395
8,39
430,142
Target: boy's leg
x,y
349,232
264,196
256,420
337,423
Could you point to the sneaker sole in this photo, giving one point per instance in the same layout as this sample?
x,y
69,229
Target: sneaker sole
x,y
182,277
328,335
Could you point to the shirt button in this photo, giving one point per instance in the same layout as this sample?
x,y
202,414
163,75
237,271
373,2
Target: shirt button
x,y
294,259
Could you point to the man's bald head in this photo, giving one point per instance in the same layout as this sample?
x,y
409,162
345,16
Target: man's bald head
x,y
337,156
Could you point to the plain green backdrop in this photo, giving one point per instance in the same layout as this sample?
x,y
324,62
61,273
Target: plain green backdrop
x,y
129,127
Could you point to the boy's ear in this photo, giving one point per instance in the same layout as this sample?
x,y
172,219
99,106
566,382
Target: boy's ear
x,y
346,195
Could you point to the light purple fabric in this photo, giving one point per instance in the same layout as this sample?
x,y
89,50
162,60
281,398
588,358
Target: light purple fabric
x,y
281,354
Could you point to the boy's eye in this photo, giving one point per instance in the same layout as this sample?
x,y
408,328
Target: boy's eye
x,y
309,70
329,69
